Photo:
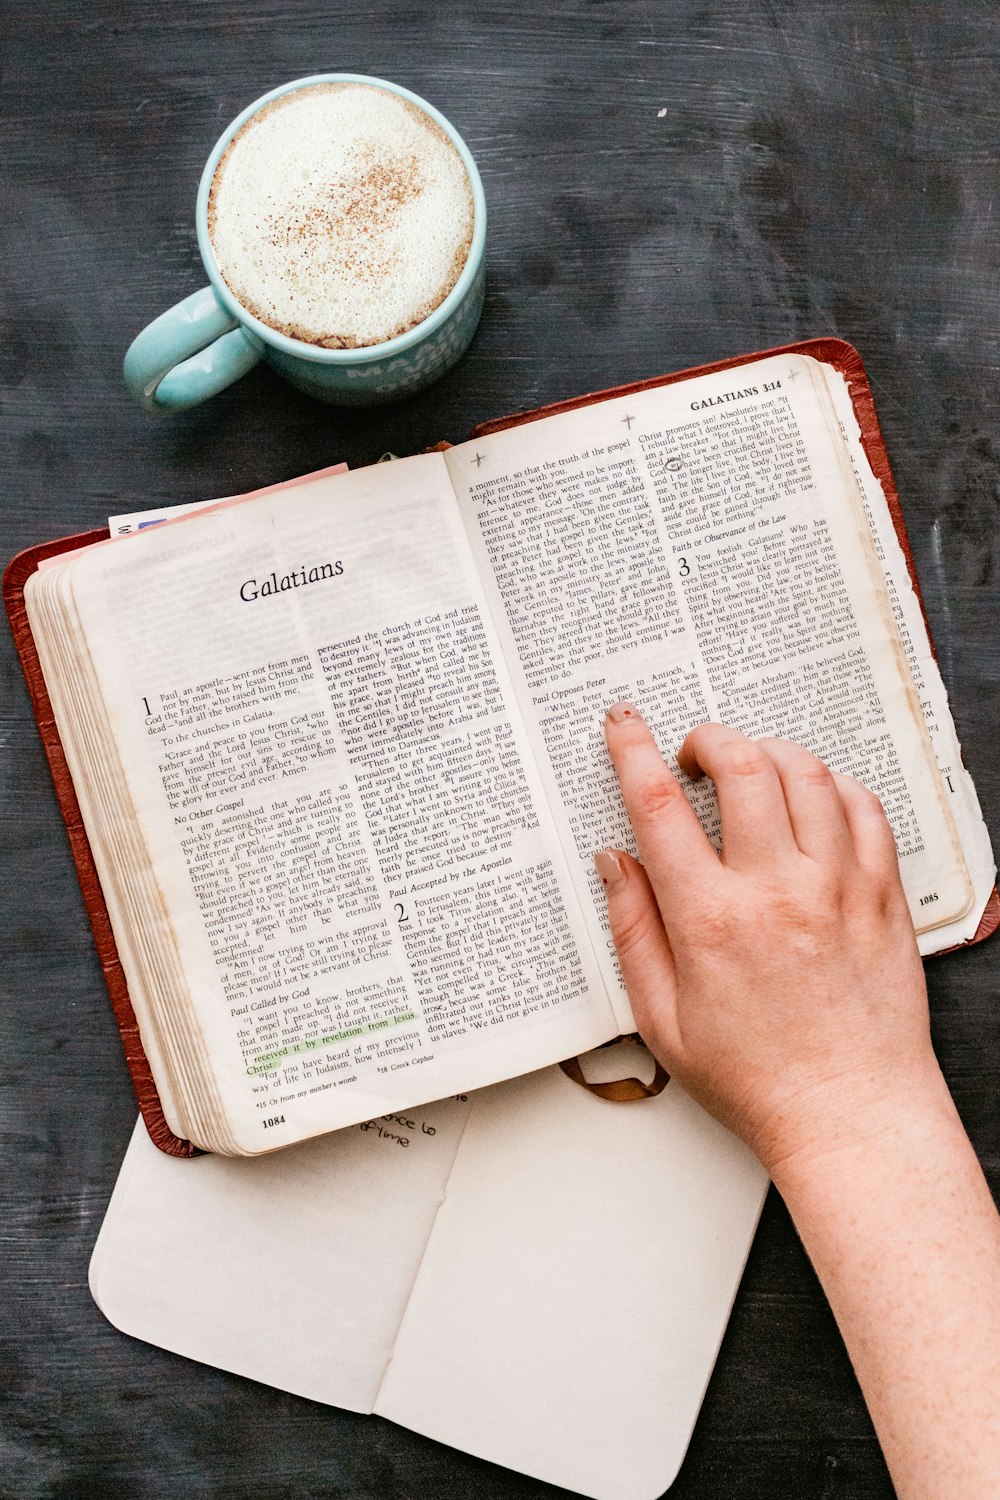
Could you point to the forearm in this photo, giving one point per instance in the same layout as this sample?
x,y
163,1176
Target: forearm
x,y
901,1228
781,985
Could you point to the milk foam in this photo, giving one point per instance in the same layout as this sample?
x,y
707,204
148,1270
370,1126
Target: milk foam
x,y
341,215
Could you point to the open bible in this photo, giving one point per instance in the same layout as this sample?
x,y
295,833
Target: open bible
x,y
338,750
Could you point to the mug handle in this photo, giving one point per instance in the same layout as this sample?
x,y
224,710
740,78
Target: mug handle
x,y
190,352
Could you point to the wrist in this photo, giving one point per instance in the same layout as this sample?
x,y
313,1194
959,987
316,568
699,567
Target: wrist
x,y
851,1119
899,1224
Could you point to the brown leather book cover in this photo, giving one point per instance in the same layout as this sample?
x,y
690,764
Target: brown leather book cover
x,y
831,351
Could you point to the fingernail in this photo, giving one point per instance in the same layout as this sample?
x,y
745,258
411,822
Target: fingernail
x,y
610,866
619,712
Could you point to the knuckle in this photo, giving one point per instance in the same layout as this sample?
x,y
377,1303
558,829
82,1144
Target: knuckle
x,y
631,931
874,825
813,773
741,758
864,799
799,761
872,805
658,795
780,744
798,913
714,930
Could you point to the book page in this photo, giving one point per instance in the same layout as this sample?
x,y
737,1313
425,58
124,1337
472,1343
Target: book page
x,y
292,1269
133,521
322,748
703,550
574,1292
927,681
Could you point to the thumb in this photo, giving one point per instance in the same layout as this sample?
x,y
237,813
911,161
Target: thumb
x,y
644,954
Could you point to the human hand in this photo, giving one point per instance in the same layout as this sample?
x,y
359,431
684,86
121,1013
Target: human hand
x,y
780,982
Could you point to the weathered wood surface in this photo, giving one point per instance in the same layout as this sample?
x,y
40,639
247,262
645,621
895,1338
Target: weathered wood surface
x,y
818,169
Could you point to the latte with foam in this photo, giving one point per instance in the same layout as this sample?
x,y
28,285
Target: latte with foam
x,y
341,215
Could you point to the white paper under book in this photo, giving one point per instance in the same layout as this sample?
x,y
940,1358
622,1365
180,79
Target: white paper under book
x,y
540,1277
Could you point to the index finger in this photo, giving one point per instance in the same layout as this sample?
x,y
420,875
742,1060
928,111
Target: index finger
x,y
672,843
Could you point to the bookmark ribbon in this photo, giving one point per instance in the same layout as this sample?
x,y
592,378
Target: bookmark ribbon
x,y
619,1090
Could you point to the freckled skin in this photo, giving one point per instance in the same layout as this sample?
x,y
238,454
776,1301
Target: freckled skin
x,y
780,984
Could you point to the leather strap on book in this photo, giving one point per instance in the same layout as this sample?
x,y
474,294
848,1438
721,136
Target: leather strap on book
x,y
618,1090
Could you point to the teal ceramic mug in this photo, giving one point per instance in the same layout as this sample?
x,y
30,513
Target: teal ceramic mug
x,y
202,345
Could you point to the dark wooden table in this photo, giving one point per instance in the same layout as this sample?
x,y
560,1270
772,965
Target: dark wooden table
x,y
668,183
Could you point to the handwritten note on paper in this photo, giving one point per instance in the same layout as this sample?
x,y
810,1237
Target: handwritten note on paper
x,y
404,1129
